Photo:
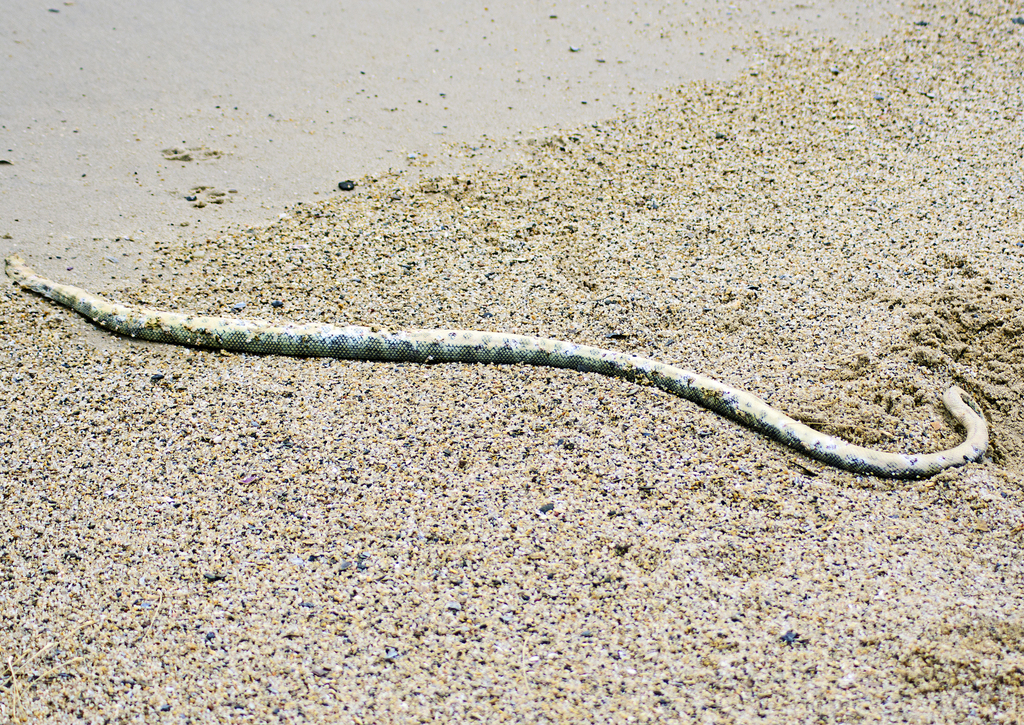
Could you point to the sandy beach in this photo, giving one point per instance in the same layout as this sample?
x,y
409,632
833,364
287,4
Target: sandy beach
x,y
831,220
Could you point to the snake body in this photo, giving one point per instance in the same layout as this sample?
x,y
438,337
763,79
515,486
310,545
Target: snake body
x,y
469,346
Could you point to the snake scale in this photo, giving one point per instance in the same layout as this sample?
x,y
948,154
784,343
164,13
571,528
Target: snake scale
x,y
468,346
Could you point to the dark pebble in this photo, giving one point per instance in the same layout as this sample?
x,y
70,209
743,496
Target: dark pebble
x,y
156,377
547,507
214,576
720,136
789,637
921,23
277,304
347,185
1018,21
190,198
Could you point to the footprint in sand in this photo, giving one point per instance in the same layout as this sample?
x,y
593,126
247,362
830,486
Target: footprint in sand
x,y
192,153
200,196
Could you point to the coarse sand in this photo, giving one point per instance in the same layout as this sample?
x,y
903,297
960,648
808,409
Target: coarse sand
x,y
191,536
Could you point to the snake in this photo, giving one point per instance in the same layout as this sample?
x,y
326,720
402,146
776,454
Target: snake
x,y
472,346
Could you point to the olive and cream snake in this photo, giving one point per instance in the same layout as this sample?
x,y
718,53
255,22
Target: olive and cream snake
x,y
468,346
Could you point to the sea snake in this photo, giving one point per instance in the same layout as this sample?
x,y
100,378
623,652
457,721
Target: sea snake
x,y
470,346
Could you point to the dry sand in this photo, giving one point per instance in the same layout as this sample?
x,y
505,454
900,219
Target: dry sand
x,y
195,537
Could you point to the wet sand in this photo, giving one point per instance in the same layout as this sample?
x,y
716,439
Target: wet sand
x,y
192,535
126,126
